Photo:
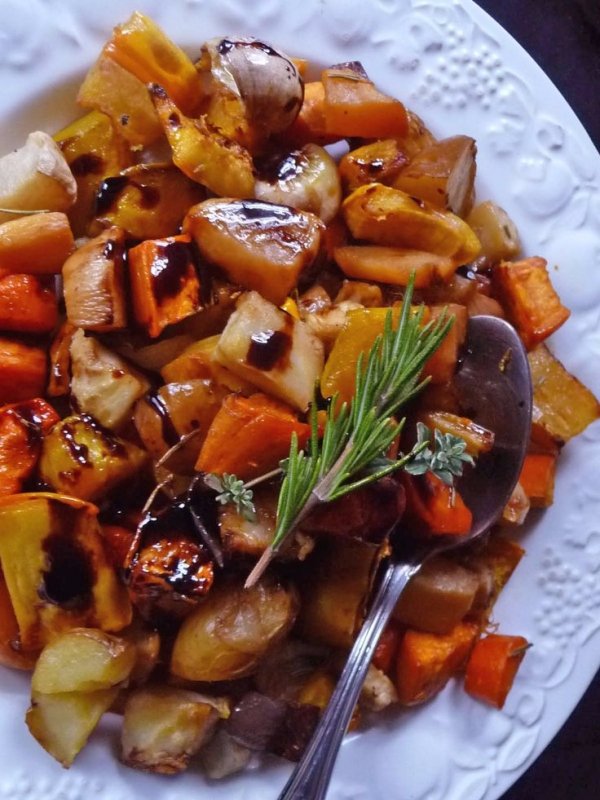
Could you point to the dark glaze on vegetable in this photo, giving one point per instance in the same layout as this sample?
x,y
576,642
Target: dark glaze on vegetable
x,y
281,168
70,575
86,164
111,190
169,269
269,349
169,434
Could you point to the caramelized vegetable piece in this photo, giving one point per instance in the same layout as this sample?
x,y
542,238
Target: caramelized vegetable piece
x,y
22,427
309,127
478,439
516,510
164,727
426,661
37,244
93,149
62,723
496,231
57,573
226,636
116,92
202,153
82,459
249,436
562,405
59,382
433,508
494,561
441,366
438,597
443,174
393,265
384,656
383,215
10,652
269,348
355,107
142,48
492,667
197,362
417,137
93,282
164,283
27,305
36,177
148,201
103,384
532,305
380,161
241,536
262,246
317,692
537,478
23,371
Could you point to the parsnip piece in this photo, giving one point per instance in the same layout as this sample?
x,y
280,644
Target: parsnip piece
x,y
103,384
36,176
62,723
272,350
496,231
164,727
37,244
83,660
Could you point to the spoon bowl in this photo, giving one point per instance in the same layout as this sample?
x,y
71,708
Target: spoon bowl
x,y
494,385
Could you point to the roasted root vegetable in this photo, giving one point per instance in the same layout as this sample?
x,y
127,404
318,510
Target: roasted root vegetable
x,y
82,459
478,439
434,508
516,509
10,651
394,265
93,283
309,127
426,661
562,405
22,427
492,667
249,436
496,231
525,291
197,361
537,478
36,177
37,244
261,246
23,371
202,153
383,215
55,568
27,305
272,350
441,366
443,174
103,383
164,727
164,283
227,635
494,561
380,161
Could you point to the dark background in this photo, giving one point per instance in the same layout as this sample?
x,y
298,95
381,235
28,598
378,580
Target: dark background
x,y
563,36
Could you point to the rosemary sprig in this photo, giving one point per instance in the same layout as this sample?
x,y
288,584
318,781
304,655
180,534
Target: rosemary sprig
x,y
356,435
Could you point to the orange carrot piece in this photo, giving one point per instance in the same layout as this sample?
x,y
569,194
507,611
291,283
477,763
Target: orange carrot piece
x,y
38,244
532,304
26,305
492,667
355,107
387,647
309,125
10,656
426,661
441,366
22,426
249,436
23,371
433,508
537,478
164,284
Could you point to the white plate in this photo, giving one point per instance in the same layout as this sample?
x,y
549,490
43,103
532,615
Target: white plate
x,y
459,70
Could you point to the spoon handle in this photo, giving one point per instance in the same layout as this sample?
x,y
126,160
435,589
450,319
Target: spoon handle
x,y
312,774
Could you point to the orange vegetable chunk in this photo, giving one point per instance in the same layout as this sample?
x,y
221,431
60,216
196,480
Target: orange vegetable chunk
x,y
249,436
392,265
309,127
441,366
164,283
426,661
10,656
23,371
37,244
22,426
387,647
434,508
533,306
27,305
492,667
537,478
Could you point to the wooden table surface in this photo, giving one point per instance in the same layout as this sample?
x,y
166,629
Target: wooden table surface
x,y
563,36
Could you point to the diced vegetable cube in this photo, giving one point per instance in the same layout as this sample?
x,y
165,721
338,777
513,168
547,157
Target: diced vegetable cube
x,y
492,667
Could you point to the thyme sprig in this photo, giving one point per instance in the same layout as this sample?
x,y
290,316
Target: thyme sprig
x,y
447,459
357,434
233,490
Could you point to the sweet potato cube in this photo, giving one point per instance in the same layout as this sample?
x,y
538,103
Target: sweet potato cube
x,y
22,426
197,362
533,305
562,405
164,283
492,667
537,478
23,371
441,366
249,436
309,127
27,305
37,244
426,661
434,508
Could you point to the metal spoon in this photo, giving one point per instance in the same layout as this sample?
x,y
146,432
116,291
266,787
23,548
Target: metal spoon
x,y
495,389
